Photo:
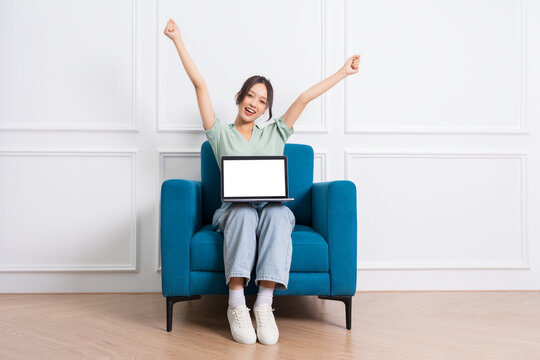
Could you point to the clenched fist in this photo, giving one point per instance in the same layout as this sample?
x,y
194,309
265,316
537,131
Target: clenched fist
x,y
351,65
172,30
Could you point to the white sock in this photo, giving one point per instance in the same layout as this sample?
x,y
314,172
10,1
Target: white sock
x,y
236,298
264,296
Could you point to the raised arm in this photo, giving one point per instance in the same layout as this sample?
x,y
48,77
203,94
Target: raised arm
x,y
294,111
203,97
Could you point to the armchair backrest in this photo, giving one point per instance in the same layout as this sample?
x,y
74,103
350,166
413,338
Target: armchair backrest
x,y
300,168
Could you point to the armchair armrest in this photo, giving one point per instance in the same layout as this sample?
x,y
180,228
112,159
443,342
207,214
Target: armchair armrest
x,y
180,218
334,217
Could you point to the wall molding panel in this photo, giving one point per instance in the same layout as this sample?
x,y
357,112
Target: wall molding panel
x,y
17,125
321,155
131,266
519,129
161,115
162,155
521,157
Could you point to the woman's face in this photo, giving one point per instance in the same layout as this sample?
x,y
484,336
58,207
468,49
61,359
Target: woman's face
x,y
254,103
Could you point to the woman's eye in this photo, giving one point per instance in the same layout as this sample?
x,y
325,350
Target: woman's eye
x,y
250,95
262,102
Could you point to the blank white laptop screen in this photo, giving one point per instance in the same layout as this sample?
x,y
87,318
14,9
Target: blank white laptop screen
x,y
254,177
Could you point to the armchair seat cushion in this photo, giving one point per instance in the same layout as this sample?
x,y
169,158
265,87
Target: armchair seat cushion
x,y
310,250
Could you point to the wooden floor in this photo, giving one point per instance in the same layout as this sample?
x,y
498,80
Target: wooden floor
x,y
386,325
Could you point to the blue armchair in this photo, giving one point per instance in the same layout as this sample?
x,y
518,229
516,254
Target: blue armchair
x,y
324,238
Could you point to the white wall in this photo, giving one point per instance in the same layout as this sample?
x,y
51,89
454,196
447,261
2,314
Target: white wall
x,y
439,130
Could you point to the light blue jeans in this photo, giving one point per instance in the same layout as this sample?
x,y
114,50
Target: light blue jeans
x,y
260,227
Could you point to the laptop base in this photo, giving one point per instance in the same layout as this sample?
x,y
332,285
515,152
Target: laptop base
x,y
258,200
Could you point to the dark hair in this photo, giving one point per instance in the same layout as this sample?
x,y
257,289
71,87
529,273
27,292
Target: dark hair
x,y
247,86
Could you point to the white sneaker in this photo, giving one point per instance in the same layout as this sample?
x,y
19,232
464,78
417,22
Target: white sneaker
x,y
267,330
241,327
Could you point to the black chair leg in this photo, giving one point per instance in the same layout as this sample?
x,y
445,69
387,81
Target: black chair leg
x,y
170,303
347,300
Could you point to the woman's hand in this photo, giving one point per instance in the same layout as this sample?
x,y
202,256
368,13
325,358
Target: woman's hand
x,y
351,65
172,30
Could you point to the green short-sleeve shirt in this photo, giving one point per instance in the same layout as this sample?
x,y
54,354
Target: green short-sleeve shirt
x,y
226,140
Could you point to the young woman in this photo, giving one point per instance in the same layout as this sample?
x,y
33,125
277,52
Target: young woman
x,y
243,223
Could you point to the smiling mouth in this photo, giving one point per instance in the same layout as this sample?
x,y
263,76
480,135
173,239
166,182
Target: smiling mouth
x,y
248,111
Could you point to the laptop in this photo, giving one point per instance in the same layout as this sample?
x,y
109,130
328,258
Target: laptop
x,y
254,178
